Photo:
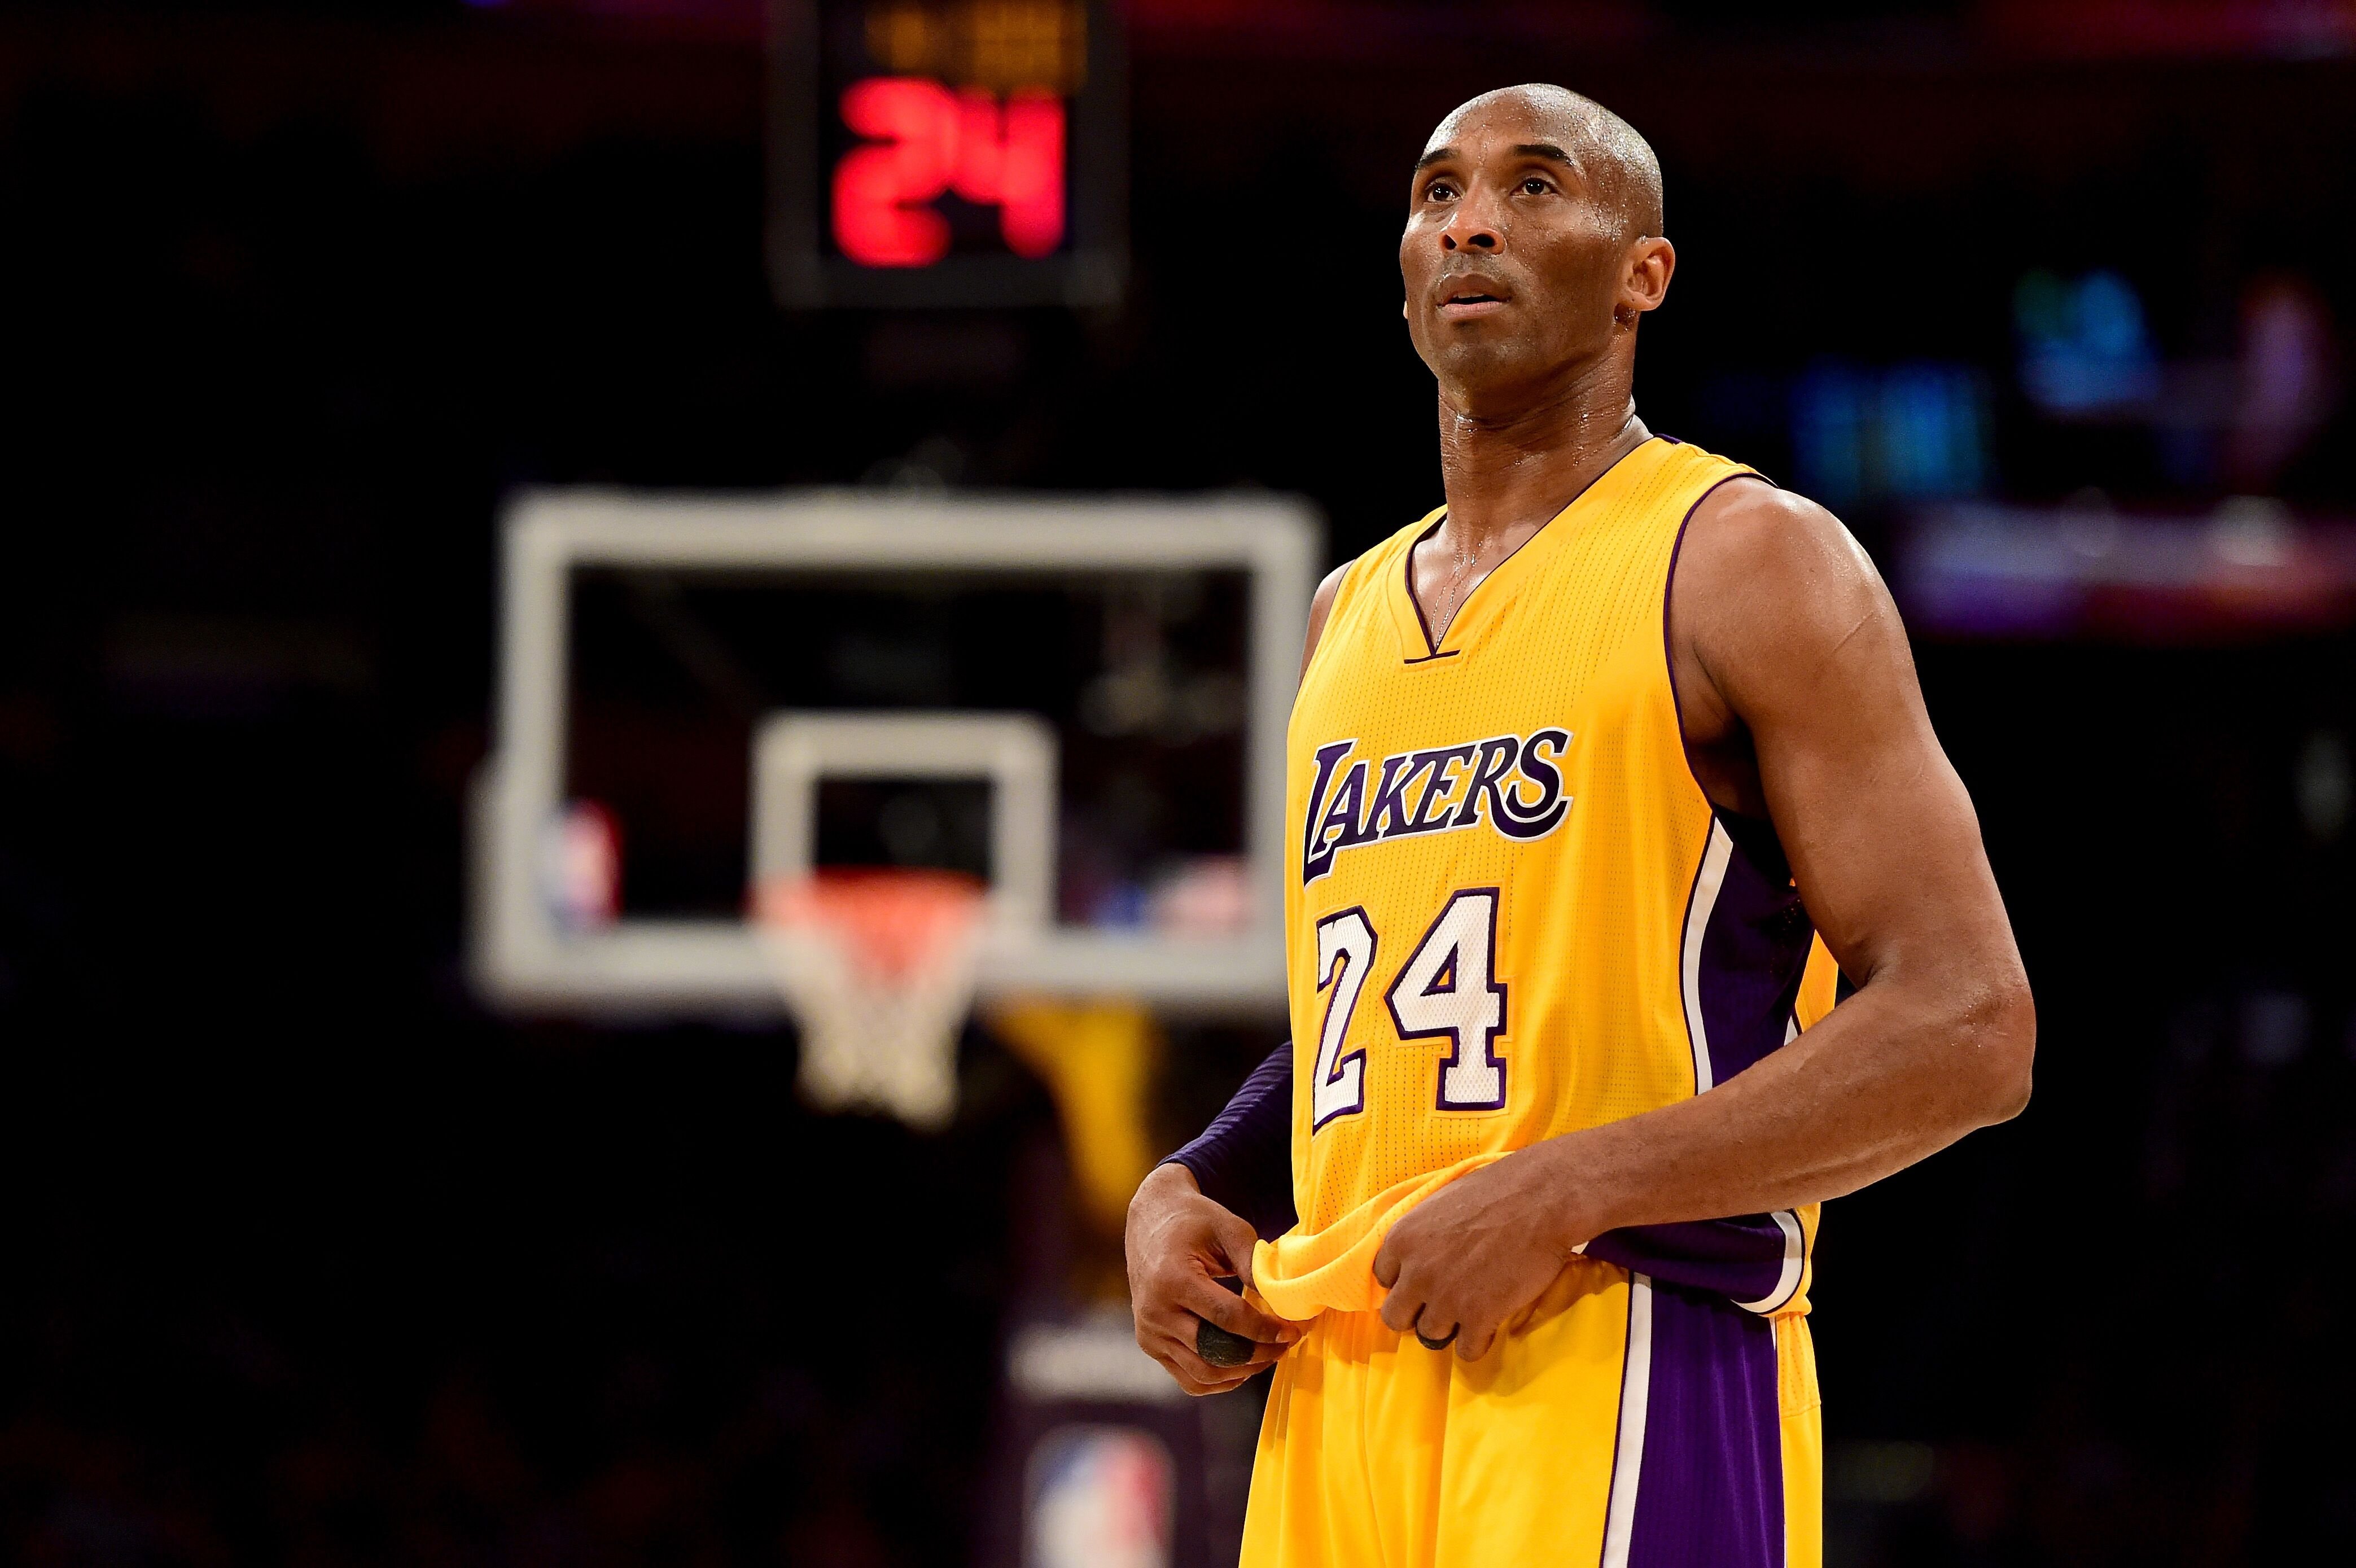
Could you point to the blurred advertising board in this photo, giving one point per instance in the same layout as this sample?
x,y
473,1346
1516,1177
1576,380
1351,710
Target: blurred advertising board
x,y
2249,570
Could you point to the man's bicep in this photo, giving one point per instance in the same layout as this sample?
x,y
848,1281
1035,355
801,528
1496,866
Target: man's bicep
x,y
1881,835
1813,657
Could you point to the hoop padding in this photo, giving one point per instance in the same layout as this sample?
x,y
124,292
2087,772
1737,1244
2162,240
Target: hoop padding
x,y
877,967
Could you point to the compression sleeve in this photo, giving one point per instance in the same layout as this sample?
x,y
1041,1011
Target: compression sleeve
x,y
1243,1161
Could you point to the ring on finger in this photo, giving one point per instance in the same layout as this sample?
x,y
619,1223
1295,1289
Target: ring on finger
x,y
1426,1340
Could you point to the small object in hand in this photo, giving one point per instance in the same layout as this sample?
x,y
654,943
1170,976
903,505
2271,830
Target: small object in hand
x,y
1221,1347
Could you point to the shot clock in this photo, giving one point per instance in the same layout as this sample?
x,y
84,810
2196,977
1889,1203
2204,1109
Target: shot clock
x,y
928,152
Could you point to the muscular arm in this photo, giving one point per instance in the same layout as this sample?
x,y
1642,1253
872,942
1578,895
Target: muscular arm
x,y
1789,649
1799,697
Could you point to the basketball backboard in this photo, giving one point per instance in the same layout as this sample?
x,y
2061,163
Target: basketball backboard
x,y
1081,699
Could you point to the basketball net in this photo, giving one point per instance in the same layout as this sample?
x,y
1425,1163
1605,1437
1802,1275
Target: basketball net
x,y
877,967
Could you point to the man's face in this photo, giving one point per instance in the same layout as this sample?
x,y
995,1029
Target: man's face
x,y
1512,253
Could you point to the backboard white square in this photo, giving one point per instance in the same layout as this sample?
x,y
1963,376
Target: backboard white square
x,y
1013,753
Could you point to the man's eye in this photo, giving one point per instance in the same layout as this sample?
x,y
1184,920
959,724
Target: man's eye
x,y
1533,186
1439,190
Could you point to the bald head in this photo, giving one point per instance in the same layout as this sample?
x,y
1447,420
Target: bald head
x,y
1533,248
1606,150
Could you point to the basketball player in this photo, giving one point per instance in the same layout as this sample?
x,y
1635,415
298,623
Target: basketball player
x,y
1596,774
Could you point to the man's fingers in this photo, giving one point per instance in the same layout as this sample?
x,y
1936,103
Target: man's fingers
x,y
1208,1298
1473,1344
1173,1326
1237,1238
1197,1389
1193,1374
1442,1340
1387,1264
1192,1389
1262,1358
1402,1307
1176,1243
1197,1376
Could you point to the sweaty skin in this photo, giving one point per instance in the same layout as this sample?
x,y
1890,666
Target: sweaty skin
x,y
1530,256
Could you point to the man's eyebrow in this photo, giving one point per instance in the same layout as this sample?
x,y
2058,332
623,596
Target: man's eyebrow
x,y
1523,149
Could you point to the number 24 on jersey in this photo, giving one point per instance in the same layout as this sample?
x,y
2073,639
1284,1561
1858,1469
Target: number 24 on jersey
x,y
1447,990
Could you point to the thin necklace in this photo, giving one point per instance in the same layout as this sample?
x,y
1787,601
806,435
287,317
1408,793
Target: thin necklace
x,y
1463,560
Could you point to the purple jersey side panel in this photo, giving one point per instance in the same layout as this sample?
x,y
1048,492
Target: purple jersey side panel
x,y
1710,1489
1754,948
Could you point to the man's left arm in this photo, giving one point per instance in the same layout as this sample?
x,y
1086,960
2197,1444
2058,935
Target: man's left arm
x,y
1783,632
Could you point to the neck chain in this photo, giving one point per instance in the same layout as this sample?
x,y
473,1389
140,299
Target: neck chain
x,y
1463,560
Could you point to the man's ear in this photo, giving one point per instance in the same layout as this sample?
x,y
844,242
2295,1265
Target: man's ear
x,y
1644,282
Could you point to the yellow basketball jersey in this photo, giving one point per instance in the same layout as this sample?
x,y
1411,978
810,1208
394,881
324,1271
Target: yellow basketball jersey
x,y
1512,913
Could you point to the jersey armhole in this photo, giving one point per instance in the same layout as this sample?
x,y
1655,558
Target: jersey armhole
x,y
1668,595
1357,574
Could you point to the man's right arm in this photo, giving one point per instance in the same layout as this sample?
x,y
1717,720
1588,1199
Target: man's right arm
x,y
1181,1243
1183,1236
1242,1160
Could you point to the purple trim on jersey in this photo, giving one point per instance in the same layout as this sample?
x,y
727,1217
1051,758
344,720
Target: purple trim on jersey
x,y
1754,952
1739,1259
1711,1487
1668,587
1423,621
1243,1161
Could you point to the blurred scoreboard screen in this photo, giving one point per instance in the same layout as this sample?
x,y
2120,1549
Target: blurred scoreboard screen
x,y
930,153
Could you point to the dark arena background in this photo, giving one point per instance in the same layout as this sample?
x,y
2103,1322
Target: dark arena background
x,y
317,1253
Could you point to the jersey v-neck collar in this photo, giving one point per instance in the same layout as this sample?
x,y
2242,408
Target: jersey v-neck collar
x,y
1417,644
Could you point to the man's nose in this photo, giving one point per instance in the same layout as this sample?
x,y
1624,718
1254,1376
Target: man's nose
x,y
1471,227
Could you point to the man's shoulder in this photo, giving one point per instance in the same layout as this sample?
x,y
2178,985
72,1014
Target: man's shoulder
x,y
1751,531
1769,584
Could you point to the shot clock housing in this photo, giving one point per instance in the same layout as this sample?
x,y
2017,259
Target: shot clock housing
x,y
946,152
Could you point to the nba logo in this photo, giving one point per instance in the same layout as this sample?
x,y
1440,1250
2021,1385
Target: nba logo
x,y
1099,1497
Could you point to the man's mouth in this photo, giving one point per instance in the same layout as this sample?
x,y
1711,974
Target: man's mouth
x,y
1471,302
